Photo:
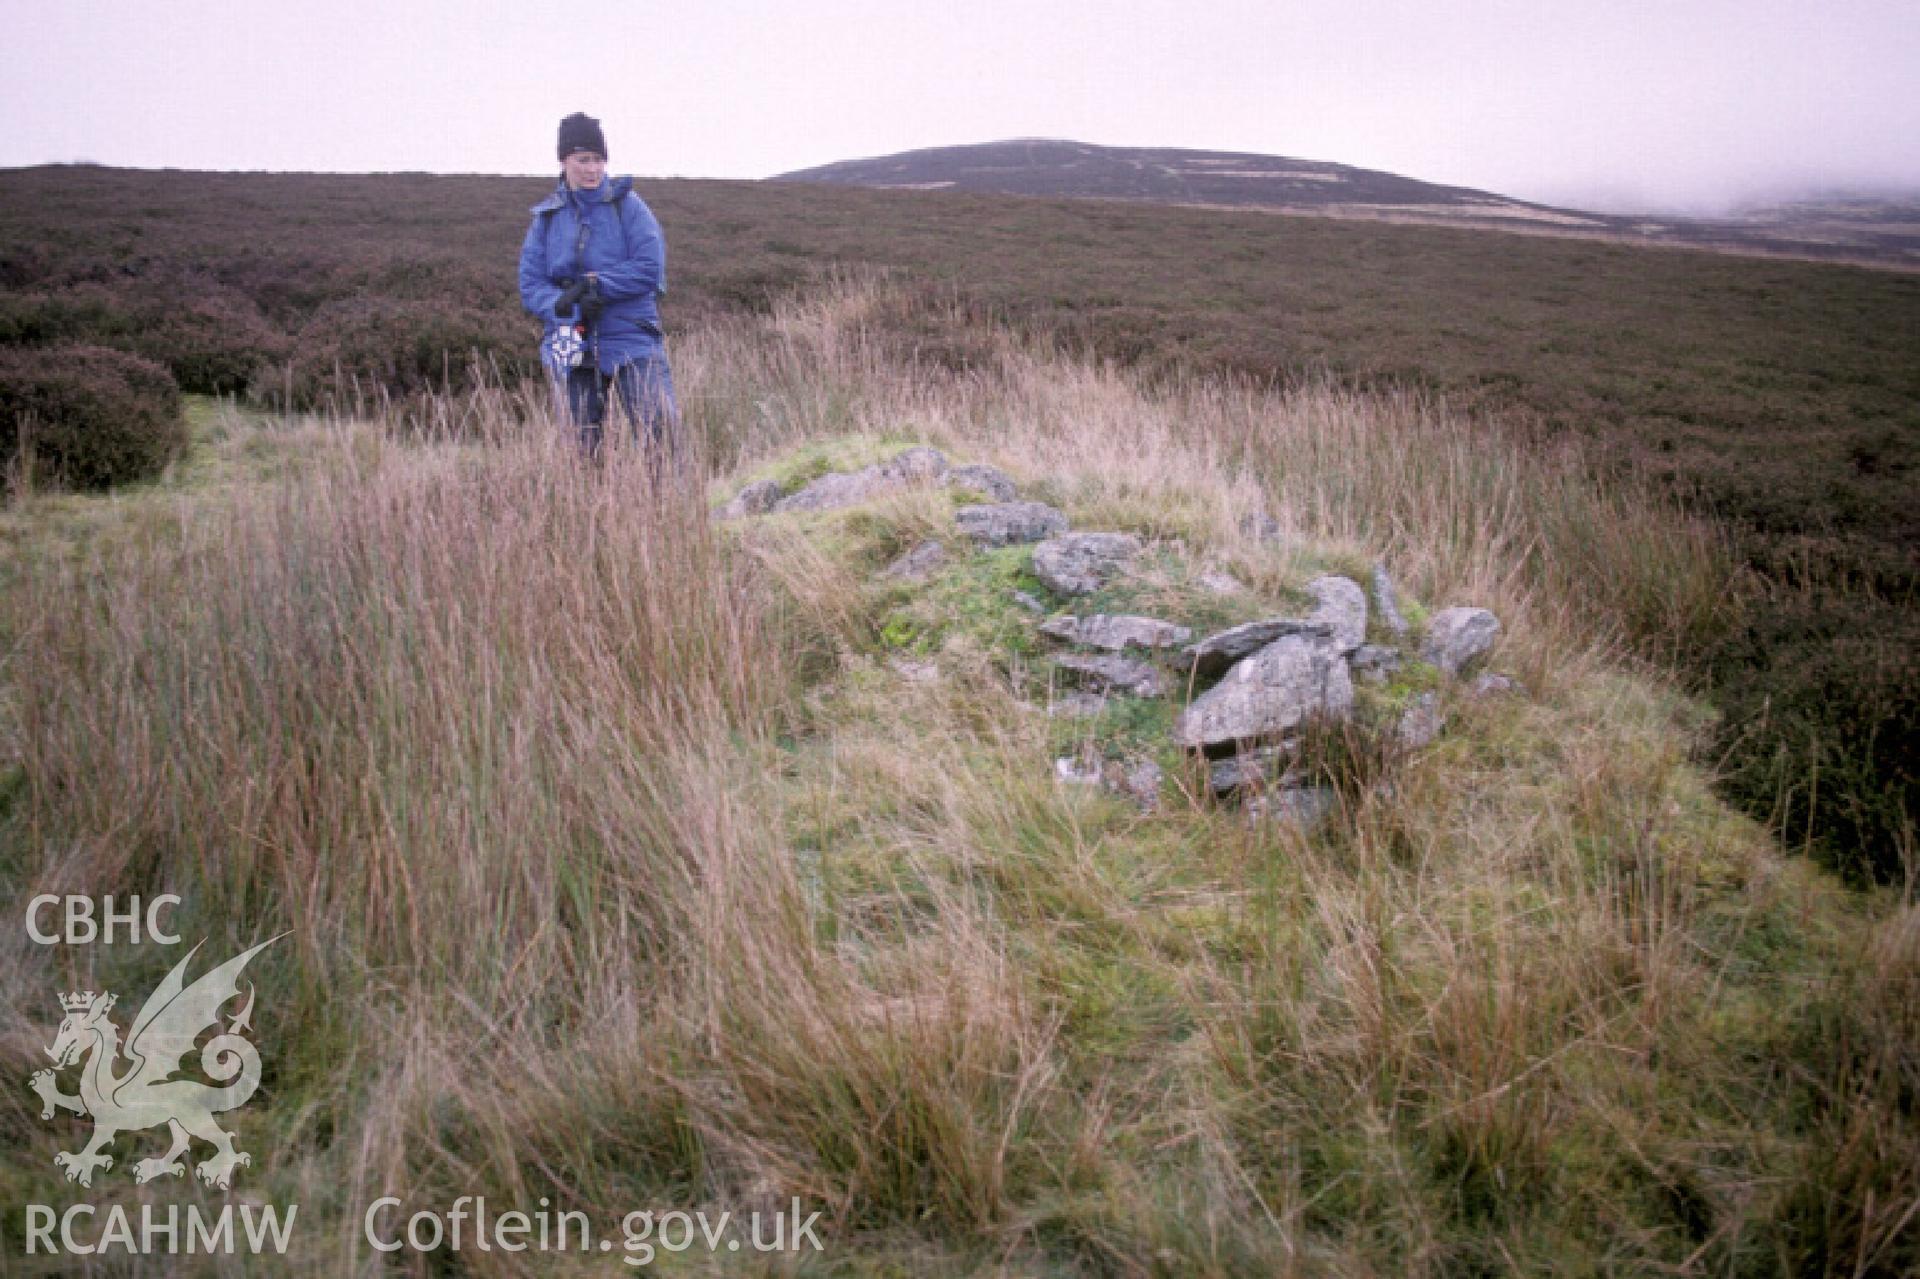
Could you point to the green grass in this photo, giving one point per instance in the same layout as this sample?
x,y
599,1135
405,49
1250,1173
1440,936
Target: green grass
x,y
1777,397
807,464
623,868
969,605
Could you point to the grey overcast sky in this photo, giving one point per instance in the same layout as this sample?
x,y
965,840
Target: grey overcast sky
x,y
1669,104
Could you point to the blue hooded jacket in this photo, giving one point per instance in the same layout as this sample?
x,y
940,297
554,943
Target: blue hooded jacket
x,y
611,232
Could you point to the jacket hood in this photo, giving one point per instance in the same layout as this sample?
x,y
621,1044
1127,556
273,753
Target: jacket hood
x,y
611,189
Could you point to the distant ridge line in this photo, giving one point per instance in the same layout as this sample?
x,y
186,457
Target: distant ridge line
x,y
1879,231
1164,175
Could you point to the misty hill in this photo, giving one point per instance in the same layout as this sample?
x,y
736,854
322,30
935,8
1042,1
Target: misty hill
x,y
1163,175
1880,230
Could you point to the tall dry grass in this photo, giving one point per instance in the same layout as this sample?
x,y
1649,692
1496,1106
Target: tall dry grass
x,y
620,870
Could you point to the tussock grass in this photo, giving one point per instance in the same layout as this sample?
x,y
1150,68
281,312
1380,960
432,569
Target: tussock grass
x,y
623,869
1776,396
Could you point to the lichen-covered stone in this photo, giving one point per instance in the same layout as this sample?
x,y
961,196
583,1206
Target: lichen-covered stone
x,y
980,477
917,564
838,489
1293,679
1115,674
1385,605
1342,608
1303,807
1080,563
1458,637
1077,704
1222,649
1420,723
919,463
755,499
1077,772
1010,523
1252,769
1488,684
1375,663
1139,781
1117,631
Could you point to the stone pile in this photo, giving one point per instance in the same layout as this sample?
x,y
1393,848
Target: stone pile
x,y
1274,676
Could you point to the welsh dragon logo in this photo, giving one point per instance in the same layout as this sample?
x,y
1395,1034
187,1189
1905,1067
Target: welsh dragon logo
x,y
144,1094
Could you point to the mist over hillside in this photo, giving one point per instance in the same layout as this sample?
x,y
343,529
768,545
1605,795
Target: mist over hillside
x,y
1045,166
1863,227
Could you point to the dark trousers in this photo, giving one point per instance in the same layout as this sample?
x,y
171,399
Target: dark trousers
x,y
639,392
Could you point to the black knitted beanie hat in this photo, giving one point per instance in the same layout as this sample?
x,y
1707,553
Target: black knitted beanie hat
x,y
581,132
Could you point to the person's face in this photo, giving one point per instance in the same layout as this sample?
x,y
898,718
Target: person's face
x,y
584,170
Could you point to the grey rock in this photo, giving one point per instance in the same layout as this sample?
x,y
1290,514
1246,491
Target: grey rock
x,y
1420,723
1078,705
1029,603
832,491
1384,604
1219,583
755,499
1251,770
838,489
1138,781
1117,632
1115,674
1457,637
1342,606
917,564
990,480
1218,651
1010,523
1078,563
919,463
1375,663
1304,807
1295,678
1077,772
1488,684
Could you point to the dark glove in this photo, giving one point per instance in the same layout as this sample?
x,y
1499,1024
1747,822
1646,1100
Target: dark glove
x,y
591,303
563,305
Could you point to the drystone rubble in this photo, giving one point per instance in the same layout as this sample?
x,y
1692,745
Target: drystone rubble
x,y
1269,679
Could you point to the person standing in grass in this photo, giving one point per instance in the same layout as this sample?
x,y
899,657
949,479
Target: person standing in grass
x,y
593,267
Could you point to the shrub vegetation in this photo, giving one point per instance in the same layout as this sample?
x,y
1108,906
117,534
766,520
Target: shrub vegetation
x,y
355,351
1782,398
765,918
211,336
87,416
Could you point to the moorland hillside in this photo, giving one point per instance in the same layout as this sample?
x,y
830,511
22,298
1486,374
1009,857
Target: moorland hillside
x,y
1780,398
1872,228
628,857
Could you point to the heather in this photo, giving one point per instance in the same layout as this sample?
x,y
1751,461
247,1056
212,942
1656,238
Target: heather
x,y
86,416
1777,397
624,864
